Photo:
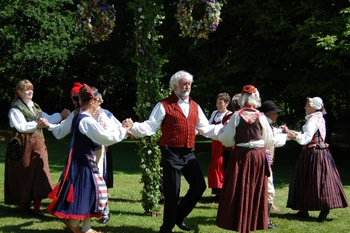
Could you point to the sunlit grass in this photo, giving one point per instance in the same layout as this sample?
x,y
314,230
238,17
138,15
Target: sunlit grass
x,y
125,202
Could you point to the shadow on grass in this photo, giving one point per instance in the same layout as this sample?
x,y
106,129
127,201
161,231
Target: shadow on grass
x,y
292,216
126,229
195,222
123,200
24,229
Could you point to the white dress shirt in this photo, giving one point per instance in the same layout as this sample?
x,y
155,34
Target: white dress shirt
x,y
279,137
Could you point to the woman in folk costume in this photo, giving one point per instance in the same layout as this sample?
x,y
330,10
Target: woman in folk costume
x,y
216,169
27,173
81,192
243,205
316,183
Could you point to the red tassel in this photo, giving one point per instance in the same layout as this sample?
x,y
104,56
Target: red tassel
x,y
70,196
54,191
52,204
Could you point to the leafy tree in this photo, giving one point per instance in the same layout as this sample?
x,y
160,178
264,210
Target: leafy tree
x,y
37,39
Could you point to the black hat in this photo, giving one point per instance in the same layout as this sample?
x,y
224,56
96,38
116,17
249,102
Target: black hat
x,y
268,107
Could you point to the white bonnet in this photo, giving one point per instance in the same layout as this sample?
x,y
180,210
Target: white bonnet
x,y
316,103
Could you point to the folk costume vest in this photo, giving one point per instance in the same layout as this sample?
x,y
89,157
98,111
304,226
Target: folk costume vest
x,y
317,141
177,130
28,115
249,117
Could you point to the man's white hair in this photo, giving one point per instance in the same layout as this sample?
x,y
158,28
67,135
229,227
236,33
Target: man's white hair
x,y
174,80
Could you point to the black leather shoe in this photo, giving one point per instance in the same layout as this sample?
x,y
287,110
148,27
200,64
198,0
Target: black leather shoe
x,y
38,214
323,215
105,218
183,226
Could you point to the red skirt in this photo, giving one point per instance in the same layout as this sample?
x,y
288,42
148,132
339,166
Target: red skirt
x,y
216,169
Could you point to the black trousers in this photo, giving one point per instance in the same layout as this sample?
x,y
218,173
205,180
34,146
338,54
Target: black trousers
x,y
109,168
176,161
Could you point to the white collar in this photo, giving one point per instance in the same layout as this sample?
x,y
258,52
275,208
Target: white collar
x,y
30,104
187,100
269,120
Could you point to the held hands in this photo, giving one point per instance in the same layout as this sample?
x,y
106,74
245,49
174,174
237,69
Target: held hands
x,y
127,123
43,123
292,134
65,113
284,128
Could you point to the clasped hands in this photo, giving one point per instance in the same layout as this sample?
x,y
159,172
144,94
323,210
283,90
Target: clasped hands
x,y
127,123
291,134
65,113
43,123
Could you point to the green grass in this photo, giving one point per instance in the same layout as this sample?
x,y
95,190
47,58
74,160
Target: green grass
x,y
125,202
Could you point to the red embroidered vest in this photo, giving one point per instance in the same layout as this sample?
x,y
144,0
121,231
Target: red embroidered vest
x,y
177,130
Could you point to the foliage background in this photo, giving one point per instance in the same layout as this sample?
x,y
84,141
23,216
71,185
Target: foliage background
x,y
288,49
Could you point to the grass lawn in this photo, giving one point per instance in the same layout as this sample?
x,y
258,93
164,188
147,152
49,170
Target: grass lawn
x,y
127,215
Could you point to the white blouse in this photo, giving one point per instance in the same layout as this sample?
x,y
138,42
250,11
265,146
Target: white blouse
x,y
91,128
18,121
217,117
309,129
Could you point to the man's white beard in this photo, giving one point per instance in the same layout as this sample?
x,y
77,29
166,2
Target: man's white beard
x,y
184,93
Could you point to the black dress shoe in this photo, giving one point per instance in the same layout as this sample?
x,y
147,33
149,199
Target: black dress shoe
x,y
38,214
323,215
183,226
105,218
